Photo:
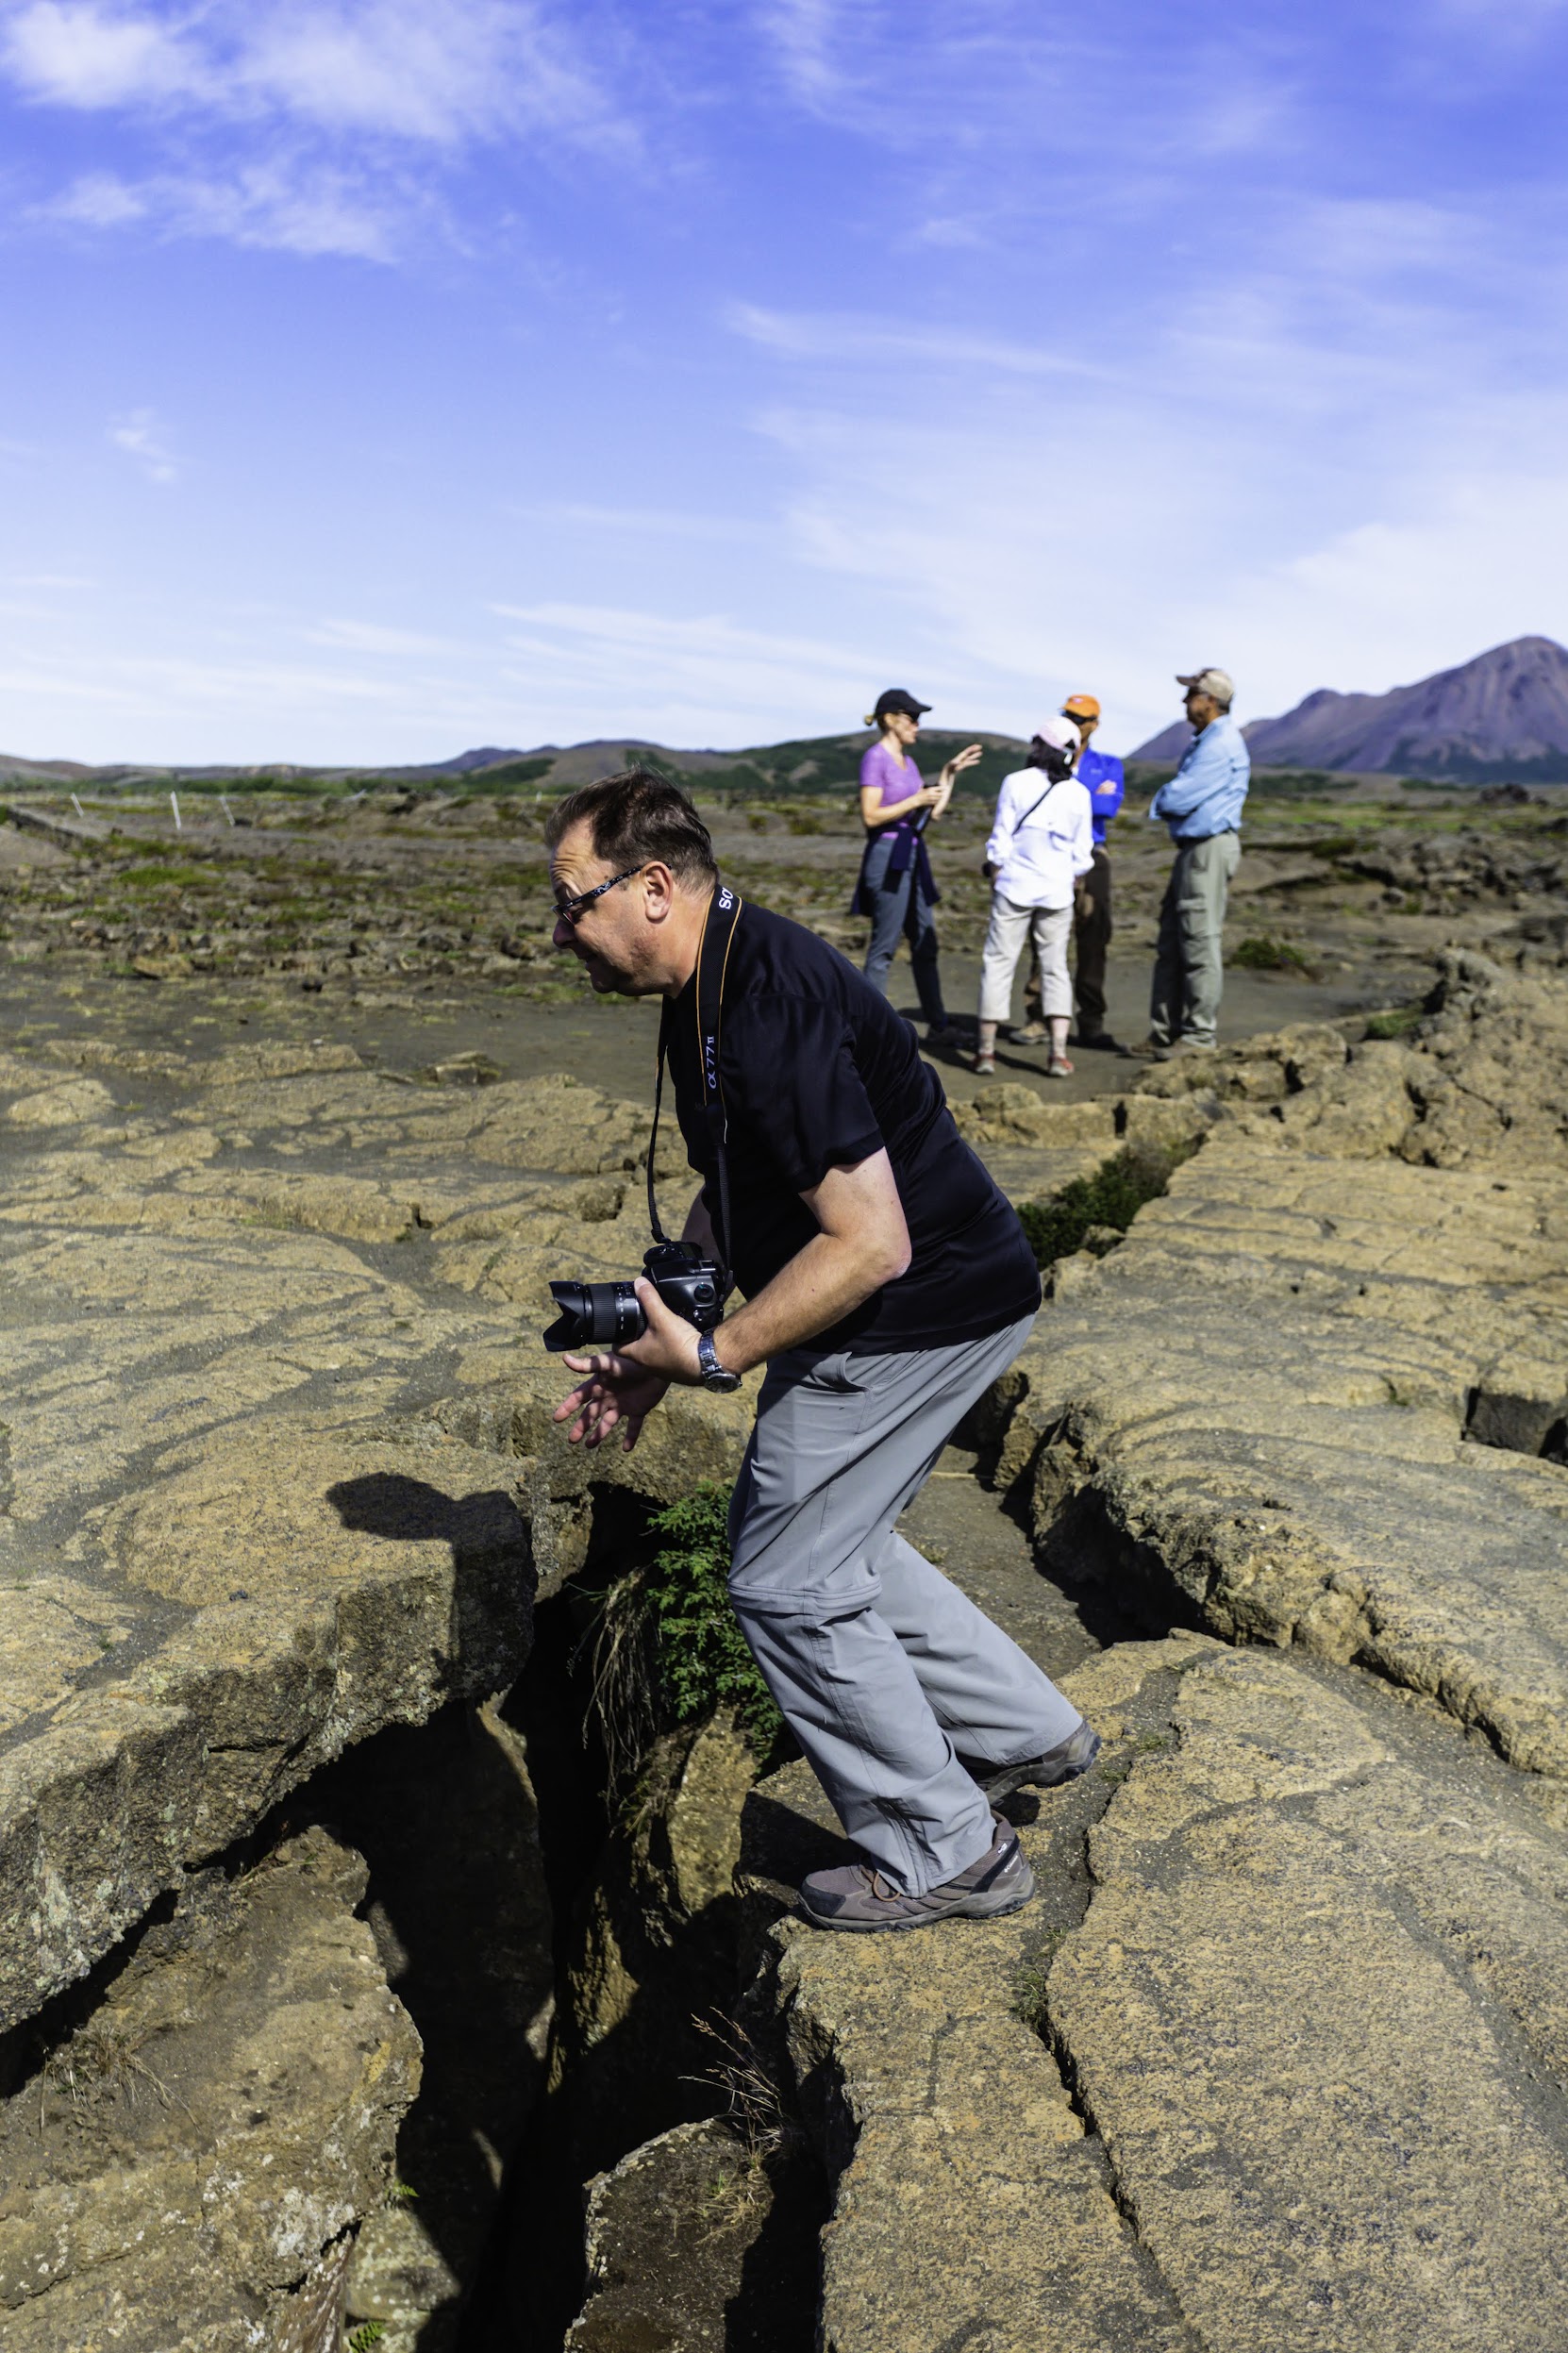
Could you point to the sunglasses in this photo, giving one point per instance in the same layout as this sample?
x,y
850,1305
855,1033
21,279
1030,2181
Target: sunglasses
x,y
573,909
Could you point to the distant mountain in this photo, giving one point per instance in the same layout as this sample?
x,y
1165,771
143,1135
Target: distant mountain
x,y
810,762
489,756
1504,715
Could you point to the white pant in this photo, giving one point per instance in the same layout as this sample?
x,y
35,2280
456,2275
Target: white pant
x,y
1011,927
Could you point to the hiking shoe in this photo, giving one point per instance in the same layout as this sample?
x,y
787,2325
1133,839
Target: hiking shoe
x,y
1059,1067
943,1033
1148,1050
983,1066
856,1897
1098,1041
1032,1033
1064,1763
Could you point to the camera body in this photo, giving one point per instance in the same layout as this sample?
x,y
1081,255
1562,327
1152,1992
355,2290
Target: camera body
x,y
608,1315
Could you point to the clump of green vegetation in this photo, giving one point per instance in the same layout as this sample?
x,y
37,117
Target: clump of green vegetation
x,y
158,874
1112,1196
1332,845
1396,1021
703,1659
1264,955
1299,783
368,2333
1029,2004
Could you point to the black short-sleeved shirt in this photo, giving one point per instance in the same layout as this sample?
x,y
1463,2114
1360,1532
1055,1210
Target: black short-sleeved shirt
x,y
818,1071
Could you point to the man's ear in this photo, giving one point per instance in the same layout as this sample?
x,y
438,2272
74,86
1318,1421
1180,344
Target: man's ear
x,y
659,890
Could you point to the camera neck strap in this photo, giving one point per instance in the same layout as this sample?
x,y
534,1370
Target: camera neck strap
x,y
718,933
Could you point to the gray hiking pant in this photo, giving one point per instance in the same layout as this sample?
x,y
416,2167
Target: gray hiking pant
x,y
874,1658
1189,972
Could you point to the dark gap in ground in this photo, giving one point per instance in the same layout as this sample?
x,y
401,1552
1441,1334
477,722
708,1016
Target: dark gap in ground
x,y
444,1818
743,2264
1517,1424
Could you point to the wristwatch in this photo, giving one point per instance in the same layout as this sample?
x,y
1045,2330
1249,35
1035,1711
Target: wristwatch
x,y
715,1375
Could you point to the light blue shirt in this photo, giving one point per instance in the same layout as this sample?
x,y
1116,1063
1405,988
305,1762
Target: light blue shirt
x,y
1205,795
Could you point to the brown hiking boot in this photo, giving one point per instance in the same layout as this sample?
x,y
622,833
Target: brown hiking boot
x,y
1064,1763
856,1897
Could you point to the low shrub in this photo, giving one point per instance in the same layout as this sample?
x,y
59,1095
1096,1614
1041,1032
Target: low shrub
x,y
1264,955
1396,1021
703,1659
1112,1196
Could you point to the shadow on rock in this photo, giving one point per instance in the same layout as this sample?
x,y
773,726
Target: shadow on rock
x,y
492,1564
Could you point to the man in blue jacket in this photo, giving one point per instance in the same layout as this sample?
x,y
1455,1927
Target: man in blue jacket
x,y
1101,774
1201,807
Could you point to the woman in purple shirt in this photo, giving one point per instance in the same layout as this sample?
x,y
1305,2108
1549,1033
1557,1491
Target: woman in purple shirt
x,y
897,888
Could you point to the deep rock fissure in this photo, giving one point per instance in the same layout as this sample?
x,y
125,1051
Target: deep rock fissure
x,y
638,1852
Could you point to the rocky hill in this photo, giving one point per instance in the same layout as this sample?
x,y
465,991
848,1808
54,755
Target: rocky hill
x,y
1502,716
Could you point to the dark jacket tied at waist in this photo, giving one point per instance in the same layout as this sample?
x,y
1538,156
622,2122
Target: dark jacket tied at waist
x,y
908,846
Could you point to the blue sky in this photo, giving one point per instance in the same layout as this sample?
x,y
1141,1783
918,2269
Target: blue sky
x,y
385,377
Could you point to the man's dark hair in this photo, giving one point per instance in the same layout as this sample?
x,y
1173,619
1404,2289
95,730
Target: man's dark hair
x,y
635,817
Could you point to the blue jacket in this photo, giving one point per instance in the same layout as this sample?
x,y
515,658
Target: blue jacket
x,y
1205,795
1102,773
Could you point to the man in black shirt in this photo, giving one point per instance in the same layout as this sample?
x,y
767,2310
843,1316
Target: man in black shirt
x,y
886,1284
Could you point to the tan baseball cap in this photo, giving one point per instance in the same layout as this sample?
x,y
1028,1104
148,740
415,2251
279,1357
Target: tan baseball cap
x,y
1210,681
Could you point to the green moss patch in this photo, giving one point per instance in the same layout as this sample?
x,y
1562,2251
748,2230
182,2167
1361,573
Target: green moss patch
x,y
1111,1198
1264,955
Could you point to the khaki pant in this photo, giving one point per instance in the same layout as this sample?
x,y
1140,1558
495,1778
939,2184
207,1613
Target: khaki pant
x,y
1189,973
1010,925
1092,929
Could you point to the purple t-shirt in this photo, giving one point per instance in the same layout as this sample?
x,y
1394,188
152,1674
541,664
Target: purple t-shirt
x,y
881,771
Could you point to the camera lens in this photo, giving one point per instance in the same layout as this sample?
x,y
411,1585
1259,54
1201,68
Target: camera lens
x,y
594,1315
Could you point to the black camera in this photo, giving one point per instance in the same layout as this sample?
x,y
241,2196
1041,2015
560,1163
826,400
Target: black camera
x,y
608,1315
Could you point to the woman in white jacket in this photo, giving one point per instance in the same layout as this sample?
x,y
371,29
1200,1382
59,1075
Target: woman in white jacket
x,y
1041,842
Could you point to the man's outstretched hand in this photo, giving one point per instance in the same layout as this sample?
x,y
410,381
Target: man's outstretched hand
x,y
616,1395
623,1386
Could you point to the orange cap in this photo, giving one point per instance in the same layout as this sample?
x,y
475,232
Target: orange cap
x,y
1081,707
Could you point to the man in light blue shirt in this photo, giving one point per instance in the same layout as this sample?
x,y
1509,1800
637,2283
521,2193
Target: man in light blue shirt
x,y
1201,807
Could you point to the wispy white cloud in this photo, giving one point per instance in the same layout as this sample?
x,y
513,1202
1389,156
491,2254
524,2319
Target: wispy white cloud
x,y
396,68
285,202
369,637
97,200
805,336
703,677
810,41
662,523
142,438
311,126
75,53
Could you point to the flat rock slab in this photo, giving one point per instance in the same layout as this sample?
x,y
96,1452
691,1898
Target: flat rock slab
x,y
1287,2069
1316,2013
275,1439
1263,1409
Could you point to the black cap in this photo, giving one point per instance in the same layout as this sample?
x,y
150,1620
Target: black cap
x,y
898,698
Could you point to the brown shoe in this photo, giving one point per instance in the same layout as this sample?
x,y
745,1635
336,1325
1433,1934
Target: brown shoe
x,y
1064,1763
856,1897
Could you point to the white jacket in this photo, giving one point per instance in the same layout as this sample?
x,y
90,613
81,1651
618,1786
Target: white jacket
x,y
1038,853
